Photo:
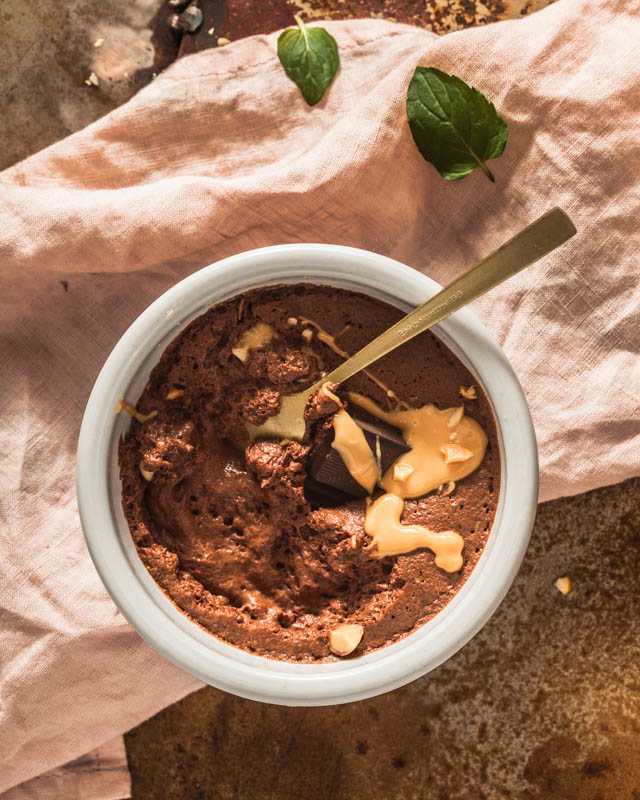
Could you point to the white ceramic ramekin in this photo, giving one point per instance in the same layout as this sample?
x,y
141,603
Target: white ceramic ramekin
x,y
159,622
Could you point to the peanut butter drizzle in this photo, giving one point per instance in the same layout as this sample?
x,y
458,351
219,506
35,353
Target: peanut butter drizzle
x,y
326,338
383,524
132,411
432,461
350,442
445,446
252,339
433,457
326,391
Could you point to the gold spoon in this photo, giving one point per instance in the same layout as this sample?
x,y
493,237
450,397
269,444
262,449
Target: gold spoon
x,y
536,240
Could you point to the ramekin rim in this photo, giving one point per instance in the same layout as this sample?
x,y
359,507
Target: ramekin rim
x,y
305,684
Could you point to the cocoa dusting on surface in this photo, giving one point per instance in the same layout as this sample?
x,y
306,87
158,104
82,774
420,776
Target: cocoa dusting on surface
x,y
225,529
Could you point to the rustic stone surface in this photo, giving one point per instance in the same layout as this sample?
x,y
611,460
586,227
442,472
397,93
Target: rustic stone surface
x,y
441,16
543,704
48,50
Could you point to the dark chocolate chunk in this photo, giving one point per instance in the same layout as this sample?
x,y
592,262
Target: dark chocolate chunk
x,y
392,443
319,495
327,467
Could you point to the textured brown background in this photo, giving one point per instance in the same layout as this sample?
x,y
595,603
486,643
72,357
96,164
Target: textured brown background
x,y
544,703
47,50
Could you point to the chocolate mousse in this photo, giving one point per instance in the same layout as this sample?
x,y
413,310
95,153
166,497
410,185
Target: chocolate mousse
x,y
322,549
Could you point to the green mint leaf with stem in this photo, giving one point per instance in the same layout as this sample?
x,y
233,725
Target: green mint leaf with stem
x,y
310,58
454,125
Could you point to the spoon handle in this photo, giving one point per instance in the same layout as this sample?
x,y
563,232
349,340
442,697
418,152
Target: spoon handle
x,y
535,241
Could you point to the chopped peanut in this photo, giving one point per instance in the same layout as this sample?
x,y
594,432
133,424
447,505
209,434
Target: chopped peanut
x,y
402,471
148,476
344,639
454,452
456,417
563,585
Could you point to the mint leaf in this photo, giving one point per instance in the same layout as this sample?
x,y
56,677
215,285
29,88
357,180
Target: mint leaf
x,y
310,58
454,125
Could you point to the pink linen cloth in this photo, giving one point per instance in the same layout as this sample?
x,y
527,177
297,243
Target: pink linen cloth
x,y
220,154
101,774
